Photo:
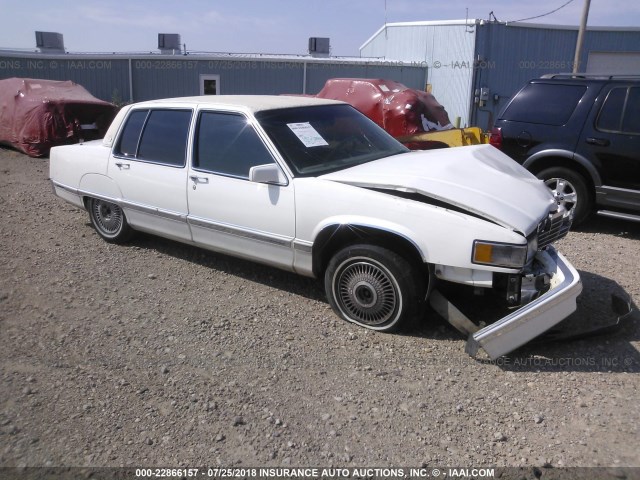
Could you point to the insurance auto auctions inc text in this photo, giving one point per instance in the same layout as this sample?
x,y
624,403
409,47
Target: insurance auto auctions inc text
x,y
333,473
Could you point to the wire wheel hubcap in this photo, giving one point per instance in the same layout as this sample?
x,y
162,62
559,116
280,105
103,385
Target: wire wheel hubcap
x,y
366,292
108,217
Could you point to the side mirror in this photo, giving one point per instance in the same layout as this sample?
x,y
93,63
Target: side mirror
x,y
269,173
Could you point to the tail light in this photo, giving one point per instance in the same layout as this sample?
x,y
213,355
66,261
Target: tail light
x,y
496,138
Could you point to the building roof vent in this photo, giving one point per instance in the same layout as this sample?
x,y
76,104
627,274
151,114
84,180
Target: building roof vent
x,y
169,43
319,46
50,42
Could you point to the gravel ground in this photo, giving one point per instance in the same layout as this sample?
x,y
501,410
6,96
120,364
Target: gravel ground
x,y
160,354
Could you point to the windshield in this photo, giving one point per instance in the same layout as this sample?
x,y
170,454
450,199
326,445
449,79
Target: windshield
x,y
325,138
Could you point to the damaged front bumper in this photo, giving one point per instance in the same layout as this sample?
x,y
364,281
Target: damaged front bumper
x,y
536,317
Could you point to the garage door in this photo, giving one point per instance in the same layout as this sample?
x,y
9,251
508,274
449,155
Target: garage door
x,y
614,63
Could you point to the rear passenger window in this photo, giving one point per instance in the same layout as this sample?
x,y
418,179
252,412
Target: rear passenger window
x,y
164,138
620,112
544,103
631,120
229,145
128,145
158,136
610,117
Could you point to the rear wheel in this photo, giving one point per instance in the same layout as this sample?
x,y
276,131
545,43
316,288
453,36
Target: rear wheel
x,y
109,221
570,190
373,287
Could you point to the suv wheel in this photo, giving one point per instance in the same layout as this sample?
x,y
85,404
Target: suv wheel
x,y
570,190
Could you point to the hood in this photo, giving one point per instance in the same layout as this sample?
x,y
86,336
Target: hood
x,y
479,179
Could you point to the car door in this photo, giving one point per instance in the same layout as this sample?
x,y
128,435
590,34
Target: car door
x,y
227,211
612,139
149,166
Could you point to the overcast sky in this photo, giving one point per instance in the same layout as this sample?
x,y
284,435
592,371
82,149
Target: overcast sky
x,y
267,26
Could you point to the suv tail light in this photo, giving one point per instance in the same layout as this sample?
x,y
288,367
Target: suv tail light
x,y
496,138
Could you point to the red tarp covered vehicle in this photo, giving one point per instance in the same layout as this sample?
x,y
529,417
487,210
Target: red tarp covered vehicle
x,y
36,115
400,110
413,117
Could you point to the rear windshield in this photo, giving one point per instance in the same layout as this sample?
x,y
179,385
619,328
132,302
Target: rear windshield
x,y
545,103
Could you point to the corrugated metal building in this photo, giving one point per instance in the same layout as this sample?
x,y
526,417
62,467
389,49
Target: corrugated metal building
x,y
476,66
138,77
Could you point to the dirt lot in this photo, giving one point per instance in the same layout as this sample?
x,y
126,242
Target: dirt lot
x,y
159,354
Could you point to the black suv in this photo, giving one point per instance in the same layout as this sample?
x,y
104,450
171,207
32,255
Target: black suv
x,y
581,135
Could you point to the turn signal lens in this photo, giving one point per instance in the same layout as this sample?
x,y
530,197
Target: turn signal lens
x,y
499,254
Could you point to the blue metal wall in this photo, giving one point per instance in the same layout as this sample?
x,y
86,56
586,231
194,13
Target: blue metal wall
x,y
511,55
160,76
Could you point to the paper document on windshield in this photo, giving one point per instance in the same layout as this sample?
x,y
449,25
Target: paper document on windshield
x,y
308,135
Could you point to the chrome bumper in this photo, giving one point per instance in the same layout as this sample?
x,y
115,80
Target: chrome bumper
x,y
536,317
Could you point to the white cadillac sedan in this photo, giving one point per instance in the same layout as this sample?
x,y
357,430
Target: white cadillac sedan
x,y
315,187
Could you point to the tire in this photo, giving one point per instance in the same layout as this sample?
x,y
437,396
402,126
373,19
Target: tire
x,y
109,221
373,287
569,189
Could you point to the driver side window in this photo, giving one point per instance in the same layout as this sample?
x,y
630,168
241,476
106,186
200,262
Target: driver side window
x,y
228,145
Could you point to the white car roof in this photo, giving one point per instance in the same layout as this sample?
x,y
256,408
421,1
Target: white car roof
x,y
253,103
246,103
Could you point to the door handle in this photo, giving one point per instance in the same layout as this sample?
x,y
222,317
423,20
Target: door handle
x,y
123,166
601,142
197,179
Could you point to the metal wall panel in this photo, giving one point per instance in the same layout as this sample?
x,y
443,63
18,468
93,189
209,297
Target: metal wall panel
x,y
610,41
155,79
445,49
264,77
160,76
514,54
163,77
619,63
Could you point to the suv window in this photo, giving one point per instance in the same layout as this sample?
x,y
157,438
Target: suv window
x,y
619,113
156,136
610,117
631,118
549,104
228,144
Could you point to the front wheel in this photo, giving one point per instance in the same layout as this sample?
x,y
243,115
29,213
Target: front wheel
x,y
373,287
570,190
109,221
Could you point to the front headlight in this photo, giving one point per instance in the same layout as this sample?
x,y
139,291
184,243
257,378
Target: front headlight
x,y
499,254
